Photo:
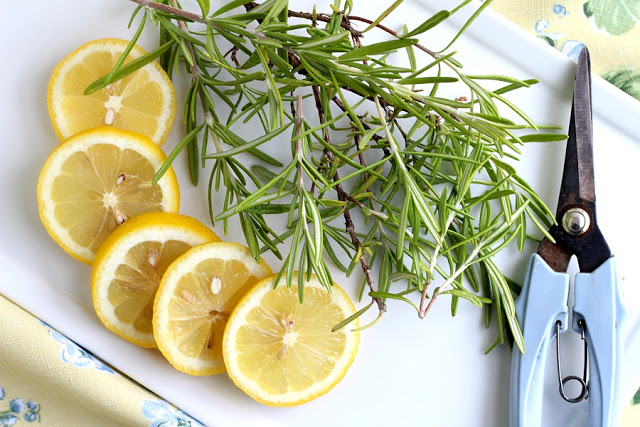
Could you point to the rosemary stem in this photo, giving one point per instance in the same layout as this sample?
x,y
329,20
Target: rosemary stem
x,y
450,279
194,68
436,251
388,30
432,265
170,9
292,14
344,197
298,118
392,142
216,142
195,73
183,27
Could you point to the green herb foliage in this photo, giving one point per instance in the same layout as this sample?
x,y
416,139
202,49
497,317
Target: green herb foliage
x,y
415,190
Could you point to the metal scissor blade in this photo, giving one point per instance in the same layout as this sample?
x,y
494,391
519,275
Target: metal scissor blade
x,y
578,179
577,232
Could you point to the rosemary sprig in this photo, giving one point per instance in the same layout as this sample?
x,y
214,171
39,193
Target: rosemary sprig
x,y
388,174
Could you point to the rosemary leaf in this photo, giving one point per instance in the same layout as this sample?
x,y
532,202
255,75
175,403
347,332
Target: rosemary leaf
x,y
127,69
383,15
429,23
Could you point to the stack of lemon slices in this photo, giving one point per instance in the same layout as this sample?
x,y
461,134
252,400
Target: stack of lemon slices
x,y
165,280
101,175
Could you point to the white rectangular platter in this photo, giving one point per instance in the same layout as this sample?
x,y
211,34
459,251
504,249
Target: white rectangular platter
x,y
431,371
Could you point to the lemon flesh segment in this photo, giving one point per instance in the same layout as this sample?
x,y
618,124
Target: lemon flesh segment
x,y
143,101
130,264
194,300
98,180
282,352
132,290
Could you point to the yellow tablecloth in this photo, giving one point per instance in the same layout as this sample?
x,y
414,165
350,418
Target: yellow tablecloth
x,y
611,29
46,378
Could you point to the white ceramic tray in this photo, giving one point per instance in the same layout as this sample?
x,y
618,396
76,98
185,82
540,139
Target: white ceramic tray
x,y
431,372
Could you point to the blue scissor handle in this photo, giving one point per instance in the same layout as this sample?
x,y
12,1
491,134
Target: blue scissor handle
x,y
598,300
542,301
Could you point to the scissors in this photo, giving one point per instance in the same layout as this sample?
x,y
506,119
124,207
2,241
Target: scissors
x,y
542,307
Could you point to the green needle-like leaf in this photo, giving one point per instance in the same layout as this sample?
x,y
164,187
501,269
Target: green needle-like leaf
x,y
174,153
110,77
429,23
204,7
383,15
249,145
378,48
127,69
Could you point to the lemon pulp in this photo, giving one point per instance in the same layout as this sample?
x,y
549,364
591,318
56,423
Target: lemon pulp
x,y
198,315
97,180
286,346
283,352
133,288
143,101
100,188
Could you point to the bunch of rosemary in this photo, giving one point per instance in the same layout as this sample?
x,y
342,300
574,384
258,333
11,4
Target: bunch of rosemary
x,y
415,189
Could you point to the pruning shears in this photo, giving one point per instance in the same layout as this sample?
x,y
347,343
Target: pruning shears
x,y
598,313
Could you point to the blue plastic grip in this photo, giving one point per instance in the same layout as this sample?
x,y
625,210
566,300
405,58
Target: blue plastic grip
x,y
542,301
598,300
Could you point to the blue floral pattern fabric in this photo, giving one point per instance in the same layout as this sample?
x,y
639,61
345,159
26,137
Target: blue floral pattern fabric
x,y
159,412
70,352
162,413
17,410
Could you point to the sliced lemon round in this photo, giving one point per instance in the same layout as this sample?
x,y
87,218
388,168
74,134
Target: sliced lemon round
x,y
129,265
142,102
194,300
97,180
282,352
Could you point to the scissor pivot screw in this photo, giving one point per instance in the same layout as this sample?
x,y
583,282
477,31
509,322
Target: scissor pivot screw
x,y
576,221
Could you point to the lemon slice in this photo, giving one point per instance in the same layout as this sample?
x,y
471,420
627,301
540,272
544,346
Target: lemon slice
x,y
282,352
130,264
142,102
194,300
97,180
